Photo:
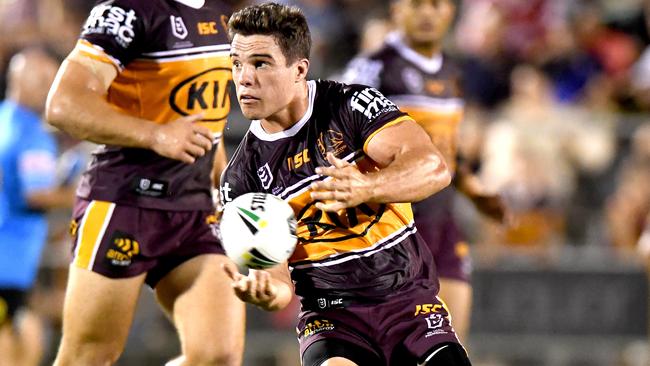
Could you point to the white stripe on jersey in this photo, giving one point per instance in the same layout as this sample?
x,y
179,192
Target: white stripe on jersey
x,y
186,57
185,51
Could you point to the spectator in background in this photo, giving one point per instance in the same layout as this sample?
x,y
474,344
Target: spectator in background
x,y
27,190
629,206
532,154
487,65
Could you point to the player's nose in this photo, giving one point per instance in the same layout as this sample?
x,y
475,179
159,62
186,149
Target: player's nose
x,y
246,76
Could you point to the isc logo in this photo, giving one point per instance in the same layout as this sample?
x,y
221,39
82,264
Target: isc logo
x,y
206,92
427,309
298,160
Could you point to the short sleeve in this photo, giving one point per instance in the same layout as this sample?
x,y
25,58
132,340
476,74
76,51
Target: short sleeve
x,y
370,112
113,32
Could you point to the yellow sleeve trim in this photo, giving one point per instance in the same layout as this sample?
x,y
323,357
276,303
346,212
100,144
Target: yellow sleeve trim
x,y
97,53
391,123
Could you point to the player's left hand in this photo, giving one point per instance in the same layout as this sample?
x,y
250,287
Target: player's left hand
x,y
256,288
348,186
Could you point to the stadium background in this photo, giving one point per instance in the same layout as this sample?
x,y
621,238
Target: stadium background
x,y
558,99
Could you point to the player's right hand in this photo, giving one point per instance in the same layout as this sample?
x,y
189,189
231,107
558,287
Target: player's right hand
x,y
182,139
256,288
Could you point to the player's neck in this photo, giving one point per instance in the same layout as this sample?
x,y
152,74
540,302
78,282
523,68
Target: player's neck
x,y
427,50
288,116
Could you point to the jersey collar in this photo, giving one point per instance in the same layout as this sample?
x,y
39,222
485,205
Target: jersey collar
x,y
196,4
430,65
256,126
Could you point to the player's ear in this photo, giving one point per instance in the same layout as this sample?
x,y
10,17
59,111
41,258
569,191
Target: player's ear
x,y
302,67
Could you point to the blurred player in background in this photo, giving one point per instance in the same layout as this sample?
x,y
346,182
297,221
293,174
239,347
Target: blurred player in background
x,y
411,70
27,189
342,156
149,80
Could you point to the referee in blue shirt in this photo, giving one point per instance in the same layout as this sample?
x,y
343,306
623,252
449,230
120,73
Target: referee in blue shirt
x,y
27,189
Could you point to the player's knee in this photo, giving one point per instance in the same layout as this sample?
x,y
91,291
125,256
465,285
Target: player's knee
x,y
211,357
448,354
88,351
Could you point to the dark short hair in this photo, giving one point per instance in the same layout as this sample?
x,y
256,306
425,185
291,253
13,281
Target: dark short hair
x,y
287,24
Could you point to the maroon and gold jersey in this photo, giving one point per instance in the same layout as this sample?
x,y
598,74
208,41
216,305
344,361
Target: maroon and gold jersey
x,y
172,59
366,253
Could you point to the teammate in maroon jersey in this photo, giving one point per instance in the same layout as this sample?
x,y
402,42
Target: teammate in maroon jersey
x,y
149,80
411,70
345,158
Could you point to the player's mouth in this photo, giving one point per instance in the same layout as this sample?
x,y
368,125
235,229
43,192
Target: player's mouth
x,y
426,27
247,98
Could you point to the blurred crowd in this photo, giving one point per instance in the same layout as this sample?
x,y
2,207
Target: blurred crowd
x,y
557,118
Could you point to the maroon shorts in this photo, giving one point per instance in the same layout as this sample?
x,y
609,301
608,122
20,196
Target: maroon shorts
x,y
125,241
445,240
398,331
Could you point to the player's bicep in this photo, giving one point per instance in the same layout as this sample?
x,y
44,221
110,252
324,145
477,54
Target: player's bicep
x,y
82,70
405,136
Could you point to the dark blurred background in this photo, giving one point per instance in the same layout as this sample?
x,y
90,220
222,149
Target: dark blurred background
x,y
557,120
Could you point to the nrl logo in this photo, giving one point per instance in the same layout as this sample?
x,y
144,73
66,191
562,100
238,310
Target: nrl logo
x,y
265,175
179,30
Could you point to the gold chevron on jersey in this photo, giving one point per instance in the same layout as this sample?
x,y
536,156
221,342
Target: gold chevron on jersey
x,y
326,235
163,92
330,254
97,53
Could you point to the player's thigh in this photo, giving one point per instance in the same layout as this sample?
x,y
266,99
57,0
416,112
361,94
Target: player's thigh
x,y
98,310
199,297
457,295
337,352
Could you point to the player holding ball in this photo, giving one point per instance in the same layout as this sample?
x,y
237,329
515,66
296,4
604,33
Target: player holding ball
x,y
347,161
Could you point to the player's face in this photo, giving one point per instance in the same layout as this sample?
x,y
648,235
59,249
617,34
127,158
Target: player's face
x,y
424,21
265,84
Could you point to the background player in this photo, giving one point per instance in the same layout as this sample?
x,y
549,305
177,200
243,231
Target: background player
x,y
27,189
150,81
366,282
412,71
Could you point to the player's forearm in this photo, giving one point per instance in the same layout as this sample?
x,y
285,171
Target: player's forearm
x,y
412,176
89,117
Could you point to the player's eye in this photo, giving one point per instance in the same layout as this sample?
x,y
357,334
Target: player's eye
x,y
259,64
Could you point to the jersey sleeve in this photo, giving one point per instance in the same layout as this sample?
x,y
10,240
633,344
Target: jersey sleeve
x,y
362,70
36,163
369,112
113,32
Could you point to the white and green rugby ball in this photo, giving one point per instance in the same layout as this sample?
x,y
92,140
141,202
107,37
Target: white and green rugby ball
x,y
258,230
